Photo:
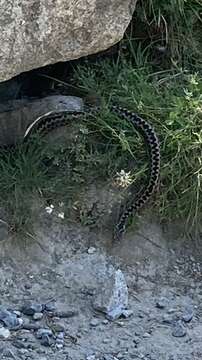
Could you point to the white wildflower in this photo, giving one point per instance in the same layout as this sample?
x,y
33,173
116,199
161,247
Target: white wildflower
x,y
188,94
49,209
84,130
123,178
193,80
61,215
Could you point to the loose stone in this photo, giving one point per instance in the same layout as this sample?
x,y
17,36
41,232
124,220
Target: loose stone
x,y
179,329
91,250
94,322
46,340
188,314
50,307
31,308
161,303
127,313
167,318
4,333
66,314
38,316
31,326
112,295
10,319
43,332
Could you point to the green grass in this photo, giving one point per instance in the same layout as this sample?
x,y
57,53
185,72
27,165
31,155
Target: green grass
x,y
172,102
167,94
174,24
101,147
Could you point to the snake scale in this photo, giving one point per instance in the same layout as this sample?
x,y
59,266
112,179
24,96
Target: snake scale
x,y
51,121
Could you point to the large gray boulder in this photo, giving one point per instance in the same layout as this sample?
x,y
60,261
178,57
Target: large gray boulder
x,y
40,32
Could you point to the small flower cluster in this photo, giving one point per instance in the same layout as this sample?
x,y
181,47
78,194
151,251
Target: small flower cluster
x,y
51,208
123,179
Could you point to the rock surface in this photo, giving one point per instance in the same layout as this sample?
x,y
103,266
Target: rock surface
x,y
112,296
55,270
17,115
37,33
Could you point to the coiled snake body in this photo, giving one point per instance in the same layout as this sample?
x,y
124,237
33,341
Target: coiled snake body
x,y
51,121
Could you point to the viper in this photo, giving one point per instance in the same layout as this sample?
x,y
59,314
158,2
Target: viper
x,y
53,120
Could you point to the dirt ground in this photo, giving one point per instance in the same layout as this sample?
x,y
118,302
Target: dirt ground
x,y
63,264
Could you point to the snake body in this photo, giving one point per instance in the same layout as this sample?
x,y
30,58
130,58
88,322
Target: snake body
x,y
51,121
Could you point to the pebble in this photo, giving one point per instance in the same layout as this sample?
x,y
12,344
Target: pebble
x,y
146,335
30,326
58,327
66,314
4,333
179,329
91,357
46,340
94,322
17,313
106,341
171,310
28,286
43,332
115,313
127,313
38,316
50,307
188,314
91,250
31,308
105,322
61,335
161,303
120,323
136,340
10,319
168,318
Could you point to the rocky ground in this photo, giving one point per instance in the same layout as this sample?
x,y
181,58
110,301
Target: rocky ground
x,y
70,293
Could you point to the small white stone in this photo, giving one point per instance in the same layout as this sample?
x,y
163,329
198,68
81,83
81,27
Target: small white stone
x,y
127,313
37,316
91,250
94,322
146,335
16,312
4,333
91,357
106,341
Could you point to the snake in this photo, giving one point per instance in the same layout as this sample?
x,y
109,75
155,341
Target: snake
x,y
53,120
